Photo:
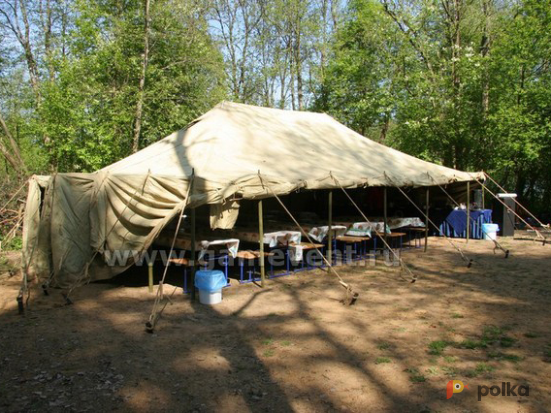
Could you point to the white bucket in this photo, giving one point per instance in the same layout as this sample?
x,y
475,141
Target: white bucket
x,y
490,231
210,298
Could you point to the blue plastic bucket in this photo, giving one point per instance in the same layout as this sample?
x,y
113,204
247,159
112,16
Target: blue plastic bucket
x,y
210,284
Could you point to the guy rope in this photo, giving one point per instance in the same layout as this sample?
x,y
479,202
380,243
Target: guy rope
x,y
351,295
469,261
400,260
469,218
538,233
159,307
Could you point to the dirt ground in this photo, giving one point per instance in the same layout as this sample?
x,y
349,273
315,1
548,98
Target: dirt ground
x,y
294,346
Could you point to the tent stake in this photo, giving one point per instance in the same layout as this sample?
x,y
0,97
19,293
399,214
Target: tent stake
x,y
427,218
192,253
468,211
261,243
330,233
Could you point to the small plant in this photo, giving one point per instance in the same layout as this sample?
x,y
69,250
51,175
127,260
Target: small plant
x,y
412,370
269,353
450,371
267,341
484,368
473,344
417,379
414,375
437,347
382,360
450,359
507,341
432,371
384,346
492,332
457,315
286,343
531,335
513,358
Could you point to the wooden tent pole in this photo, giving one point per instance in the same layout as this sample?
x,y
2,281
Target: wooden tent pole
x,y
468,210
330,233
150,276
385,217
427,218
192,262
261,243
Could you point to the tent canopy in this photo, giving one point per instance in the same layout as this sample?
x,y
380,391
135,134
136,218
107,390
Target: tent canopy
x,y
232,143
75,223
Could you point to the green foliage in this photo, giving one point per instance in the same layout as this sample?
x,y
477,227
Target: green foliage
x,y
471,93
400,74
382,360
86,113
15,244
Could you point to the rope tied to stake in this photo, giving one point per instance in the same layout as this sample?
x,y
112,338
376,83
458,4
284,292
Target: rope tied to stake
x,y
497,245
469,261
400,260
351,295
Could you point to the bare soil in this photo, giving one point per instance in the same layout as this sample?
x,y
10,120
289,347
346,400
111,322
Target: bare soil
x,y
294,346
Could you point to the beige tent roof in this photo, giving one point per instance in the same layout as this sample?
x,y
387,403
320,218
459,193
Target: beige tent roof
x,y
74,223
233,142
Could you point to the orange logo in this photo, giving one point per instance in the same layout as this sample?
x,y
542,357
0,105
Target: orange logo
x,y
454,386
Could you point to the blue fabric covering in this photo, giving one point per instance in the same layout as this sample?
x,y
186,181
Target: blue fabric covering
x,y
455,224
207,280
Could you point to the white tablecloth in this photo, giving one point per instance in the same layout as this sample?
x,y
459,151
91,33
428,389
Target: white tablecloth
x,y
365,229
395,223
282,238
319,233
232,245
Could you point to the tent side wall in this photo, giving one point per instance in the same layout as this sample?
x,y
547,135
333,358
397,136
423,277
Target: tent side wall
x,y
36,251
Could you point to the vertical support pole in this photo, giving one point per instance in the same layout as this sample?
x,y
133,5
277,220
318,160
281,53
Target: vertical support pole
x,y
427,218
192,261
483,198
330,233
468,210
385,217
261,243
150,275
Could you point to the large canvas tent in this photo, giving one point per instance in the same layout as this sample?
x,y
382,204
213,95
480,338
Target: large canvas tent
x,y
73,222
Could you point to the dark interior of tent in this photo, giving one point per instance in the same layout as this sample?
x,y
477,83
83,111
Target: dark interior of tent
x,y
307,207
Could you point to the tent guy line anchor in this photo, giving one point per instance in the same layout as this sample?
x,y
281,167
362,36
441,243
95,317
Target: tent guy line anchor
x,y
463,256
400,260
496,244
538,233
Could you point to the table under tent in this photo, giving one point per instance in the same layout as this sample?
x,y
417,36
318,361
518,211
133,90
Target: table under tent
x,y
239,183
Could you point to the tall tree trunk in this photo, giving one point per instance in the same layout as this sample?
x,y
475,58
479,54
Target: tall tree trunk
x,y
13,154
46,19
145,61
485,52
